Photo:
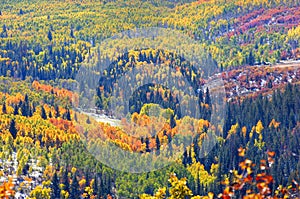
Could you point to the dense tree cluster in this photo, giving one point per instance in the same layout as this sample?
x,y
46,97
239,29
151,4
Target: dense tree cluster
x,y
235,33
171,69
262,123
44,45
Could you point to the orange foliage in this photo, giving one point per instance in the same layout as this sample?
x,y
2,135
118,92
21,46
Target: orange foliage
x,y
241,152
72,97
14,99
274,124
6,190
63,124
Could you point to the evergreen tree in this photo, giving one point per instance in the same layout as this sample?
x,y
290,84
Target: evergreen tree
x,y
50,35
4,31
65,181
24,110
88,121
99,101
75,117
12,128
170,146
25,107
270,84
43,113
55,190
200,95
57,113
185,158
16,109
207,97
72,33
4,111
95,186
67,115
172,121
101,189
251,59
87,178
50,114
75,192
147,142
196,147
198,189
157,145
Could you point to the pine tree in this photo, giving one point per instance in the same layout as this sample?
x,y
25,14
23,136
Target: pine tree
x,y
147,145
25,107
172,121
55,193
270,84
43,113
87,178
95,185
4,111
75,193
50,114
198,192
207,97
185,158
16,110
65,181
72,33
12,128
68,115
157,145
170,146
57,113
101,189
251,59
50,35
189,159
26,99
200,95
99,101
88,121
4,31
196,147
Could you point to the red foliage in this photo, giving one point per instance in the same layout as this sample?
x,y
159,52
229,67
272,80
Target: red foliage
x,y
274,18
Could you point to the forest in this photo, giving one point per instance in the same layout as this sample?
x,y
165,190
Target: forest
x,y
68,66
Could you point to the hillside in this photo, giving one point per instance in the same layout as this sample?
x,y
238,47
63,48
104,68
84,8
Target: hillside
x,y
149,99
